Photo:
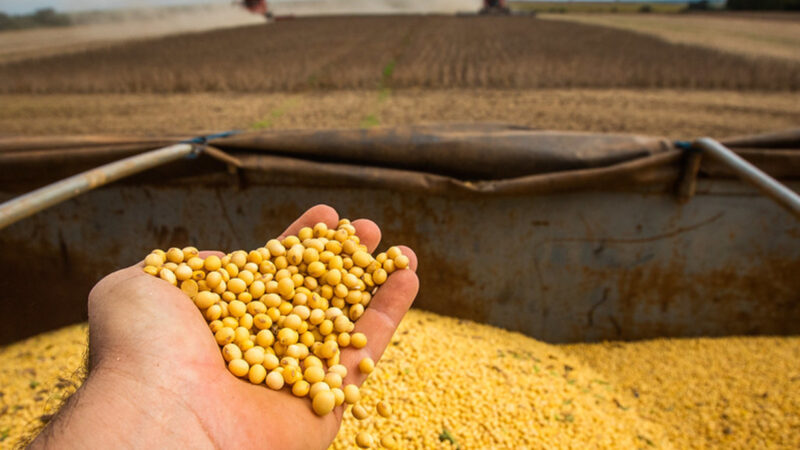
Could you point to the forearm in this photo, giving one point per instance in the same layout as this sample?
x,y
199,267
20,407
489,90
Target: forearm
x,y
113,410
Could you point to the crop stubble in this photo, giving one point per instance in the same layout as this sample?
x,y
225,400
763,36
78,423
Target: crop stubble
x,y
429,52
672,113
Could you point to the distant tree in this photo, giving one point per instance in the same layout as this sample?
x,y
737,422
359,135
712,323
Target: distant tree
x,y
699,5
645,8
50,18
46,17
5,21
787,5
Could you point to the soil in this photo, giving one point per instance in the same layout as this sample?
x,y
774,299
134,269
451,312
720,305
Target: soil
x,y
675,114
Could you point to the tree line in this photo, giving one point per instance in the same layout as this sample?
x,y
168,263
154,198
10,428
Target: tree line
x,y
786,5
46,17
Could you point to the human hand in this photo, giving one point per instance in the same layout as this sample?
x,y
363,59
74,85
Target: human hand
x,y
157,377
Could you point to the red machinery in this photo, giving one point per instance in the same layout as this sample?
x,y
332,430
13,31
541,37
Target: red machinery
x,y
495,7
257,7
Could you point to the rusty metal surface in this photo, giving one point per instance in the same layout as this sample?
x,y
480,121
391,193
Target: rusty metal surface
x,y
579,266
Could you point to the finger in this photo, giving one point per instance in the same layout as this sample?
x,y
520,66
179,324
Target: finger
x,y
380,321
412,257
121,275
314,215
368,233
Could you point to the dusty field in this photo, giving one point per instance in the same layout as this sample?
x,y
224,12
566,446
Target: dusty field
x,y
754,35
398,52
658,112
42,42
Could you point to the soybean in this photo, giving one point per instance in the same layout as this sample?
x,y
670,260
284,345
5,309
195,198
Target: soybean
x,y
364,439
324,403
366,366
359,412
384,409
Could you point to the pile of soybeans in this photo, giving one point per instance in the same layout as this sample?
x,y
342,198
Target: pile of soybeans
x,y
515,393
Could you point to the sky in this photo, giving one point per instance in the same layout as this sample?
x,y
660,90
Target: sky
x,y
27,6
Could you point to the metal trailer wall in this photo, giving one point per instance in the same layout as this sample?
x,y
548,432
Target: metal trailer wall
x,y
561,267
568,255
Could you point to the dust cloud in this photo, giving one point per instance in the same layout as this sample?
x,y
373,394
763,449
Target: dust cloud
x,y
94,29
322,7
100,28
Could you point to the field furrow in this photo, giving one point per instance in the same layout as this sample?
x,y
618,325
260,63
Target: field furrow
x,y
437,52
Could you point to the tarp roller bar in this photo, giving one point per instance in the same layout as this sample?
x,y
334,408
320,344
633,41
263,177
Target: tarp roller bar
x,y
29,204
751,174
493,160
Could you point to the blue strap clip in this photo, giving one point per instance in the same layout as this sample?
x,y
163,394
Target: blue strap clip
x,y
201,141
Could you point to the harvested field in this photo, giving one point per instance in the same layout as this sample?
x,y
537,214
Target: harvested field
x,y
675,114
397,52
754,35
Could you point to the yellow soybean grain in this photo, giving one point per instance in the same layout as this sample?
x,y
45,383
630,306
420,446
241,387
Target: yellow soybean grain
x,y
518,392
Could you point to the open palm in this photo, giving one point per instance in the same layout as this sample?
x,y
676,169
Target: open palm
x,y
146,330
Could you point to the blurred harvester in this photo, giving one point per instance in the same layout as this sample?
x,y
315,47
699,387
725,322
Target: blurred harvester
x,y
257,7
495,7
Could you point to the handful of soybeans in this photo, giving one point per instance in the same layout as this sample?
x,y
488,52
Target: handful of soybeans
x,y
283,312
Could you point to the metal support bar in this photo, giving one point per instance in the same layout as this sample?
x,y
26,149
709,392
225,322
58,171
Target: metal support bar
x,y
216,153
691,167
748,172
29,204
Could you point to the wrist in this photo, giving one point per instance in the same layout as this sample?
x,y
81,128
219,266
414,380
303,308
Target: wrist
x,y
117,408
